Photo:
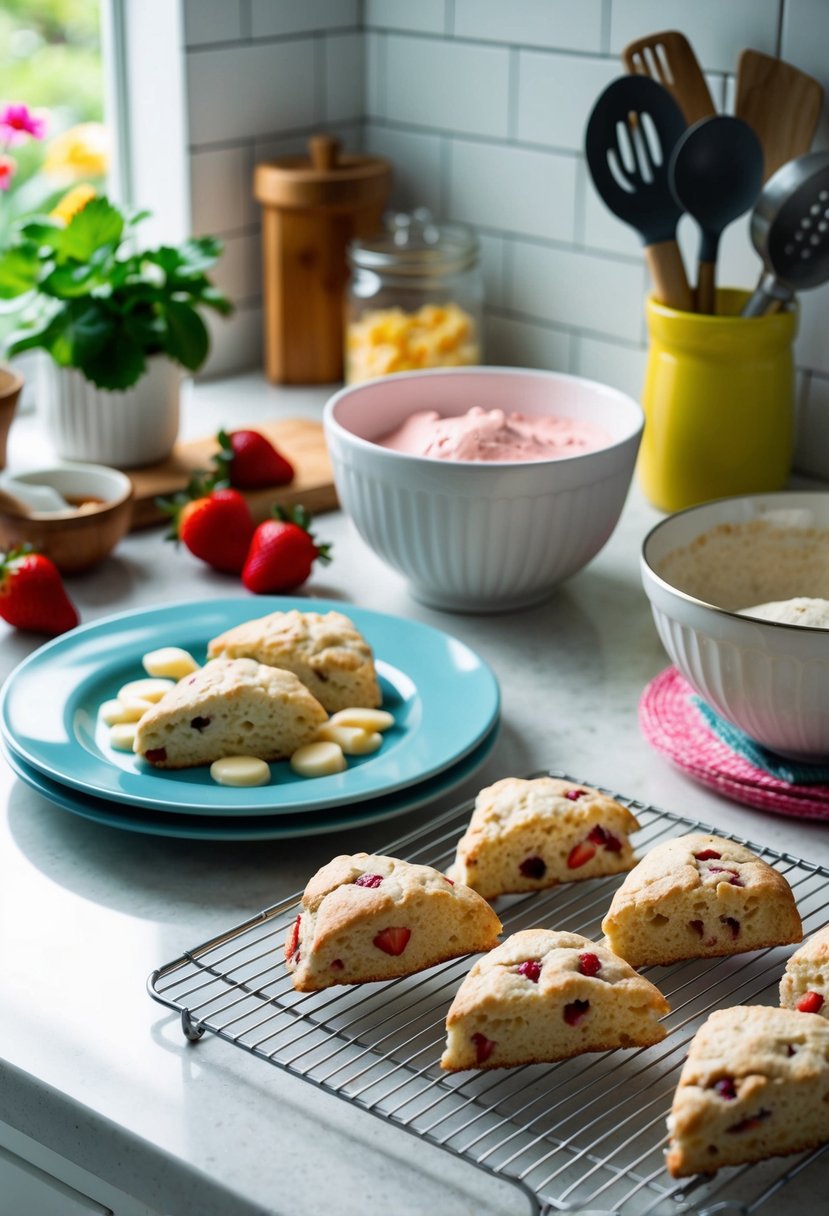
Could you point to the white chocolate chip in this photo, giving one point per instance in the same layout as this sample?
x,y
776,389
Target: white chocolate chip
x,y
364,719
122,736
318,759
145,690
112,712
169,661
352,739
240,770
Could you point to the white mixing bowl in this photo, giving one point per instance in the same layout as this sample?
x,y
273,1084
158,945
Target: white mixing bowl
x,y
768,678
481,536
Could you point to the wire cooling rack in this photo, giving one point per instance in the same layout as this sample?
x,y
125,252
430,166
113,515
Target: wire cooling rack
x,y
584,1133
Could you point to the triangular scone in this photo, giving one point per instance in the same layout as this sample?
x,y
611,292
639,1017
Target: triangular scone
x,y
525,835
700,896
231,707
366,917
755,1085
325,650
543,996
805,984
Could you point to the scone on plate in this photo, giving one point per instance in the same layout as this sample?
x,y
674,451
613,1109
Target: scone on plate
x,y
367,917
231,707
543,995
755,1085
805,983
700,896
525,835
325,650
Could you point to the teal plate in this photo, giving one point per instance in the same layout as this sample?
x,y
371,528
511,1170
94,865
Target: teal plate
x,y
275,827
444,699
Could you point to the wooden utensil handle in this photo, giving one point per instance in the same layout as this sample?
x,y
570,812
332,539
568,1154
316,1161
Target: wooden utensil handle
x,y
706,294
667,271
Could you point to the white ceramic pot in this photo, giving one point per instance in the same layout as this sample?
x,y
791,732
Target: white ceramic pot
x,y
124,429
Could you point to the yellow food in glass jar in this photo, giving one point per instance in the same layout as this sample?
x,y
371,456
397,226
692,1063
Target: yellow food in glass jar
x,y
387,340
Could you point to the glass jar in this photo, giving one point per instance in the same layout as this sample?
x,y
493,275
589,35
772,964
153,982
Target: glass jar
x,y
415,298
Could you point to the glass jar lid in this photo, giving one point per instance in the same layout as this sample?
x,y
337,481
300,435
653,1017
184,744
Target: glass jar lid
x,y
415,244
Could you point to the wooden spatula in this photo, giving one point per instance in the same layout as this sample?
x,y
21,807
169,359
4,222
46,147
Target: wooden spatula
x,y
669,59
781,103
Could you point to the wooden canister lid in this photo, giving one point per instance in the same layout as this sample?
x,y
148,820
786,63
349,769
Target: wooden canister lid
x,y
326,178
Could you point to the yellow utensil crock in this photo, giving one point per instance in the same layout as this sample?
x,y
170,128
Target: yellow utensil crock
x,y
718,402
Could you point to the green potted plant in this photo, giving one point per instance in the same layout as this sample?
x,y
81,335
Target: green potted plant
x,y
118,323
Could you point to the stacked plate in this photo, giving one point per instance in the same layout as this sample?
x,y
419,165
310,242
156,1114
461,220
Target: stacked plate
x,y
444,699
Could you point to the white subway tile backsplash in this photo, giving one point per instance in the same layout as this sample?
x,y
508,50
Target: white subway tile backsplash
x,y
344,75
235,344
556,94
415,161
208,21
493,253
424,17
221,189
446,85
600,228
515,189
549,23
276,18
717,31
239,271
578,289
811,347
522,343
374,98
612,363
239,92
812,444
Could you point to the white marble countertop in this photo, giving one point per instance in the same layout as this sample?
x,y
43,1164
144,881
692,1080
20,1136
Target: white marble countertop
x,y
100,1073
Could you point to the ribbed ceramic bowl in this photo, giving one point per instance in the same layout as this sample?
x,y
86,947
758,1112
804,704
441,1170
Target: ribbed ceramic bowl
x,y
769,679
481,536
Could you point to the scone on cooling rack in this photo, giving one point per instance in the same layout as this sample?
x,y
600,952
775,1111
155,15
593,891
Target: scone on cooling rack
x,y
805,983
543,995
325,650
755,1085
527,834
365,917
230,707
699,896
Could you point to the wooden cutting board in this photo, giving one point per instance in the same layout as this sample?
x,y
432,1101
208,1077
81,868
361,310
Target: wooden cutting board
x,y
300,439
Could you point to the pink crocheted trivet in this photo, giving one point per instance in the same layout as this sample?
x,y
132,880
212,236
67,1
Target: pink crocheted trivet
x,y
674,726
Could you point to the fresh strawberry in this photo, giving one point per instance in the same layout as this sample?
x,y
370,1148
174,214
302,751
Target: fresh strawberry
x,y
282,553
32,594
250,461
393,940
580,854
215,524
484,1047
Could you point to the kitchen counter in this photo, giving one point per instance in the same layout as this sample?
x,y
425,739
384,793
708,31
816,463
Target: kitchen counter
x,y
101,1075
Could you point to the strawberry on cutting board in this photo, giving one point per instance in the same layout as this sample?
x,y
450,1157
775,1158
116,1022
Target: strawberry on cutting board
x,y
249,461
282,552
215,525
32,594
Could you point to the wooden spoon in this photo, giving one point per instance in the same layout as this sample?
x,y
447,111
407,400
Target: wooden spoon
x,y
781,103
669,59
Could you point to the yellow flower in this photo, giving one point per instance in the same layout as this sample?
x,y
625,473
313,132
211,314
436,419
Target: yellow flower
x,y
72,202
82,151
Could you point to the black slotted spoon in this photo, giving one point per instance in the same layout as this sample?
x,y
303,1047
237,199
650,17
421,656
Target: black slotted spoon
x,y
631,133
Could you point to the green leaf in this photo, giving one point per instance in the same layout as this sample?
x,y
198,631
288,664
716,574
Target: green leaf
x,y
43,232
19,270
116,365
213,298
68,281
187,340
96,225
37,337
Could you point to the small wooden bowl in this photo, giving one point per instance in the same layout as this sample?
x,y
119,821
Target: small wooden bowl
x,y
81,537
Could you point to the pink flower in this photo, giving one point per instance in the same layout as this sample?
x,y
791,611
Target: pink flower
x,y
17,121
8,165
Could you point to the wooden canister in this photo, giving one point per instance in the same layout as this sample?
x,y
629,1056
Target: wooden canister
x,y
312,207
